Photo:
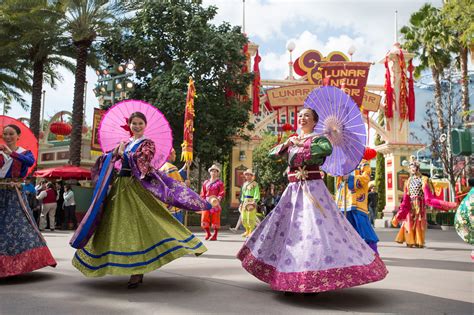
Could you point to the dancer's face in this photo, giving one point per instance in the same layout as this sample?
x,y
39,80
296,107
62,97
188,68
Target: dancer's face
x,y
10,136
214,173
137,125
248,177
413,169
306,120
172,156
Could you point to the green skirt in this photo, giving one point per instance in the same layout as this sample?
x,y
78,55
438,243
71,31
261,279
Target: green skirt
x,y
136,235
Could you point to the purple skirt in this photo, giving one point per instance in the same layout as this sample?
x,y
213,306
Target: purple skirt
x,y
307,245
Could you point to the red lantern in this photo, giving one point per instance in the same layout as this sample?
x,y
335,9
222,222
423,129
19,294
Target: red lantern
x,y
287,127
60,128
369,154
84,129
41,135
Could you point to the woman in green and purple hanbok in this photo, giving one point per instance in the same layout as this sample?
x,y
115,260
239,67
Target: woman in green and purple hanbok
x,y
136,234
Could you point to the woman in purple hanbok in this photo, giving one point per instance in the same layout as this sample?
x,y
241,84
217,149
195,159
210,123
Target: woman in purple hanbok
x,y
306,245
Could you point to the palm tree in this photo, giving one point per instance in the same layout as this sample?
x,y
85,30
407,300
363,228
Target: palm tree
x,y
33,31
14,80
86,21
457,16
425,35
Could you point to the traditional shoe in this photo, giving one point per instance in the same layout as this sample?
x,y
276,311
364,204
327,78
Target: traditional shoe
x,y
134,284
207,237
244,234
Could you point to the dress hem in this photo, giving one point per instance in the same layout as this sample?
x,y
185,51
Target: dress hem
x,y
27,261
312,281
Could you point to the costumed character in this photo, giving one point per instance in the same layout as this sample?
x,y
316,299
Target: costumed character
x,y
249,198
305,244
355,190
136,234
213,191
417,195
464,218
22,247
172,171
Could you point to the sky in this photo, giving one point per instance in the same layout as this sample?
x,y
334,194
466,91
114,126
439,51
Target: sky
x,y
326,26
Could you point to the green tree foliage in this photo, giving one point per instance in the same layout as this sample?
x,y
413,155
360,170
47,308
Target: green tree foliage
x,y
380,169
170,41
85,21
33,32
425,35
269,170
458,17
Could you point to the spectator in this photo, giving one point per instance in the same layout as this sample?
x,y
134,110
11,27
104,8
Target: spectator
x,y
33,203
48,197
59,208
372,199
69,208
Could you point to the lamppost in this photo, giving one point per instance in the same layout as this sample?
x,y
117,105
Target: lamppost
x,y
351,51
290,47
42,111
113,79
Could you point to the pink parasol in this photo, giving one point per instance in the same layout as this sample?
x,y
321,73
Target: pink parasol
x,y
113,128
27,139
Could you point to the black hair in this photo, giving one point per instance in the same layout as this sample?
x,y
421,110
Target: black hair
x,y
315,115
470,182
49,185
137,115
14,127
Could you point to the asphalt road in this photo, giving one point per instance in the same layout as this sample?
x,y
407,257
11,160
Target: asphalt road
x,y
434,280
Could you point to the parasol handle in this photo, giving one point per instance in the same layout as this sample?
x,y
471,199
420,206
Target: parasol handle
x,y
345,197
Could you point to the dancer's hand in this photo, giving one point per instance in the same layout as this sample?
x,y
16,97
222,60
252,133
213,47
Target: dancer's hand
x,y
121,148
5,149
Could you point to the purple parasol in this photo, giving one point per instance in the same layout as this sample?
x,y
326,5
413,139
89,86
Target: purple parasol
x,y
340,120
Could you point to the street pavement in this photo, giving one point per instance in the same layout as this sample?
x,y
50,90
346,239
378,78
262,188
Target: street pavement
x,y
434,280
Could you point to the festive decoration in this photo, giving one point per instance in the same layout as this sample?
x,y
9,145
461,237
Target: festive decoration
x,y
369,154
402,100
60,128
297,68
411,93
256,84
187,145
388,91
287,127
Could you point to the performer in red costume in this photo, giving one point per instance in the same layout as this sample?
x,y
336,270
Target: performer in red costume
x,y
213,191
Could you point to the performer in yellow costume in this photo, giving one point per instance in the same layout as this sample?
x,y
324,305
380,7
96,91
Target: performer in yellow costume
x,y
249,198
356,197
180,175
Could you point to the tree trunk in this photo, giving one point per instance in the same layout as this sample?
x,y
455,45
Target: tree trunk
x,y
78,102
37,89
438,100
464,83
